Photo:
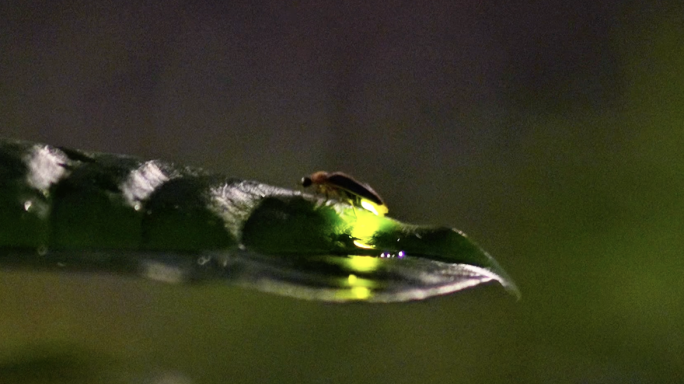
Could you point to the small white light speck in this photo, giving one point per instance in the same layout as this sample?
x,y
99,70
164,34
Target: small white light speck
x,y
203,260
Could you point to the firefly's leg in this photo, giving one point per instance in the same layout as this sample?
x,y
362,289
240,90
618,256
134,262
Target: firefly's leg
x,y
351,199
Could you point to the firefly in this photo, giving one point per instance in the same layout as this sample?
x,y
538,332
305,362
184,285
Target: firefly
x,y
346,187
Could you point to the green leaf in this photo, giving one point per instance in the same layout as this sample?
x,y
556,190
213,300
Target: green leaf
x,y
118,214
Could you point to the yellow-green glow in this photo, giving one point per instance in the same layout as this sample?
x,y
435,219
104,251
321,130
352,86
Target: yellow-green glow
x,y
363,224
362,263
364,227
360,293
362,245
355,281
377,210
353,293
358,288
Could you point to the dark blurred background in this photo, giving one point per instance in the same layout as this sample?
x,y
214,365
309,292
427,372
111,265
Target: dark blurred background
x,y
551,132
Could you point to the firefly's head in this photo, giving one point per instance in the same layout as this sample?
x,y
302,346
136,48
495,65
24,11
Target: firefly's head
x,y
306,181
317,178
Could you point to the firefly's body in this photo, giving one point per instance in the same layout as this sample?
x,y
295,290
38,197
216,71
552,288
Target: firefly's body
x,y
344,187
